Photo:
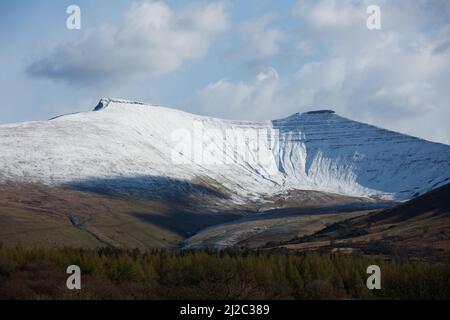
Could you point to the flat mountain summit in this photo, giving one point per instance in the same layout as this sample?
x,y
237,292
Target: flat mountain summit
x,y
132,147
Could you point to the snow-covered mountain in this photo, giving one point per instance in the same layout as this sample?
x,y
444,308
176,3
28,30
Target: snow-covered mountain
x,y
130,145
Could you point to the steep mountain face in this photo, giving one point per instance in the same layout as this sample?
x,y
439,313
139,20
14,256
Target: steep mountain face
x,y
354,158
434,204
129,147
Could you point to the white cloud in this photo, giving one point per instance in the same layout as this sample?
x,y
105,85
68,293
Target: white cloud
x,y
260,39
267,74
330,14
153,40
250,100
268,96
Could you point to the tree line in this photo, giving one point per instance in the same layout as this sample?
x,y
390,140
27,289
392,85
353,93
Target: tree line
x,y
40,273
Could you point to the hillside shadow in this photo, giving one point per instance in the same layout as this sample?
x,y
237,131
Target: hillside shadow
x,y
186,223
319,210
187,203
149,187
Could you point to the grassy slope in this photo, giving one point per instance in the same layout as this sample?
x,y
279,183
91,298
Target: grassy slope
x,y
259,231
39,215
417,225
56,217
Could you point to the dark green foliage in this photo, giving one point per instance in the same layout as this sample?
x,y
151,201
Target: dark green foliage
x,y
115,274
339,230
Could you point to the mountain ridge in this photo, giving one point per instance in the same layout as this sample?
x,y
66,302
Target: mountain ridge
x,y
316,150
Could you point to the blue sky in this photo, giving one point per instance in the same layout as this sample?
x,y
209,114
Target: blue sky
x,y
233,59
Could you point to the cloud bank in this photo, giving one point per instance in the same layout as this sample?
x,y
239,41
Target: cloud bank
x,y
153,40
